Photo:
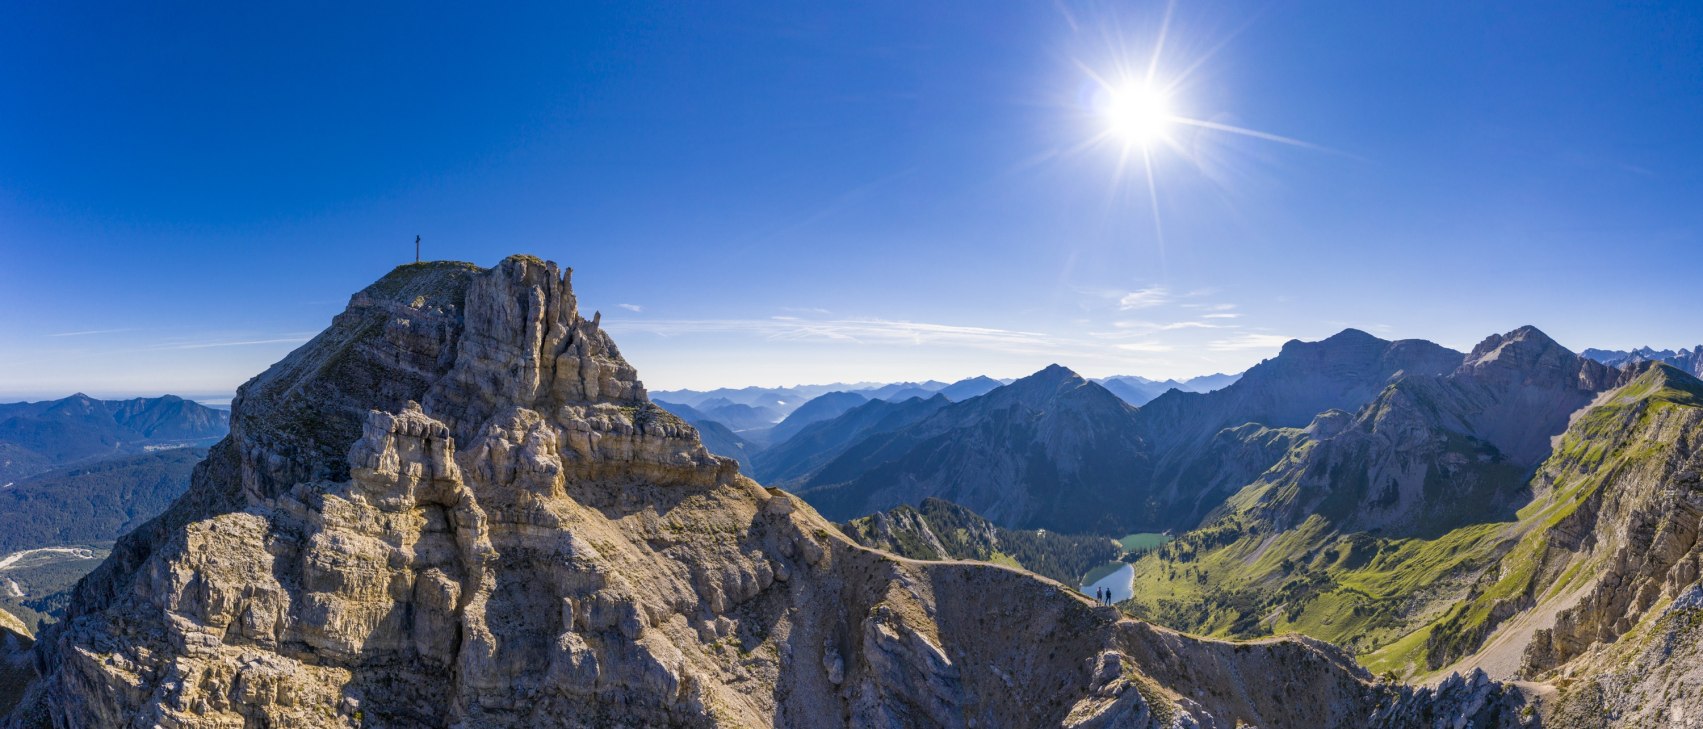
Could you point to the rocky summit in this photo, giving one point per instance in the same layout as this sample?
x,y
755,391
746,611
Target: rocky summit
x,y
456,507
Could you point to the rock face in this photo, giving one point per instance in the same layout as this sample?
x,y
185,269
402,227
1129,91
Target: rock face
x,y
720,439
16,671
456,507
1627,514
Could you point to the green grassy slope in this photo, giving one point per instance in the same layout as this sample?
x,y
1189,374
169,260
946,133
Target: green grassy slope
x,y
1288,554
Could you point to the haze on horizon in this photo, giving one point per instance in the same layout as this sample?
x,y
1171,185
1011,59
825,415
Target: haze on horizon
x,y
798,194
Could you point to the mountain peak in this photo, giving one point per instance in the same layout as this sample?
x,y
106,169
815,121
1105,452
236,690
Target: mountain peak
x,y
1523,346
1350,334
1053,374
1347,340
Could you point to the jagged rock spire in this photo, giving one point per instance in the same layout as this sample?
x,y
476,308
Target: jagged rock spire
x,y
524,344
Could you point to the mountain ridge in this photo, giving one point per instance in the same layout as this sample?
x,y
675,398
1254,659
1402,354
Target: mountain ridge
x,y
1036,442
457,506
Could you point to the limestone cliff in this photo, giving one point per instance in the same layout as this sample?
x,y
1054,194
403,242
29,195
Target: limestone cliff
x,y
457,507
15,670
1607,585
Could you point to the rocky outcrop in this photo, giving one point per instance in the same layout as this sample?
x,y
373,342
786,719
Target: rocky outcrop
x,y
1638,528
456,507
940,530
16,669
1653,679
1598,596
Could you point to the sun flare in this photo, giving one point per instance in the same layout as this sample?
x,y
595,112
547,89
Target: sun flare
x,y
1142,106
1138,114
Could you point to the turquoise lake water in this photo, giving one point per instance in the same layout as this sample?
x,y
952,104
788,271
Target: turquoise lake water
x,y
1118,580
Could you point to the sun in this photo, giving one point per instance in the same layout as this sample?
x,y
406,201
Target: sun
x,y
1138,113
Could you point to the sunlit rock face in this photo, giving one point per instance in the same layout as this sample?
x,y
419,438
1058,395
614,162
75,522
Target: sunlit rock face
x,y
456,507
15,669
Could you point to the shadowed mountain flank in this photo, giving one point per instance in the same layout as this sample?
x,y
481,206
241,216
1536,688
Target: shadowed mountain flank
x,y
1057,451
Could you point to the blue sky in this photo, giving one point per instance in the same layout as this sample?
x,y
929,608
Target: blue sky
x,y
806,192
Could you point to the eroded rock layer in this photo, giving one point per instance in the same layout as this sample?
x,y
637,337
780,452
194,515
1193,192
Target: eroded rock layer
x,y
456,507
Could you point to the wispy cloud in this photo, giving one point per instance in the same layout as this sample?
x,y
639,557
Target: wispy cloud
x,y
1151,326
91,331
1146,298
234,343
635,308
862,331
1248,341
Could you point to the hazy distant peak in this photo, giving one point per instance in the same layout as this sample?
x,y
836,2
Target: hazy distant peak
x,y
1687,360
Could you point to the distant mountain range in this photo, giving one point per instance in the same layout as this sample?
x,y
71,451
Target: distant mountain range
x,y
76,473
1689,361
769,430
778,402
1059,451
824,407
1053,450
40,436
1140,390
815,445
